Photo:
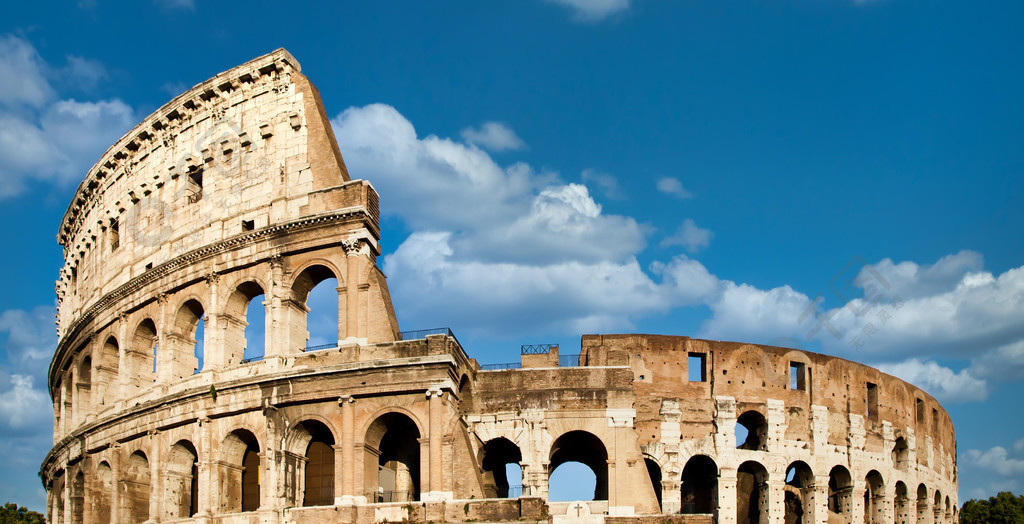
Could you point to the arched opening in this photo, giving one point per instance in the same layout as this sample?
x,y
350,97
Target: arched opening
x,y
901,454
181,482
874,495
83,404
78,499
57,492
136,486
186,338
937,506
498,454
949,511
142,355
799,493
104,487
700,486
318,475
315,297
393,458
751,493
68,400
923,511
245,317
901,504
840,495
586,449
465,394
241,476
654,473
752,431
105,383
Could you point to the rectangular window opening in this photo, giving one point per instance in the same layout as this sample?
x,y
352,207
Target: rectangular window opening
x,y
935,419
115,234
872,401
248,225
697,367
798,376
195,185
920,412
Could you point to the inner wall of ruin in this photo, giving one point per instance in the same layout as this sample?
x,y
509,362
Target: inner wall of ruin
x,y
235,195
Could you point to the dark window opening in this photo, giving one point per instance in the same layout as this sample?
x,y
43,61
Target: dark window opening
x,y
752,431
498,454
700,486
195,186
798,376
697,367
149,266
248,225
920,411
872,401
935,419
654,472
115,234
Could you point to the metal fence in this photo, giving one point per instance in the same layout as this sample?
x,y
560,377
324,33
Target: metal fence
x,y
506,365
422,333
537,349
321,346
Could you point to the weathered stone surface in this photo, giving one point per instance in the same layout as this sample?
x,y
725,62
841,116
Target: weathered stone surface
x,y
237,189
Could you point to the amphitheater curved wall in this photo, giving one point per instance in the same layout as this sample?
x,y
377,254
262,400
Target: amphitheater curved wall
x,y
236,190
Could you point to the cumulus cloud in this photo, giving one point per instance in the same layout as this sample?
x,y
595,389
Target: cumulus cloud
x,y
593,10
995,459
1003,364
690,236
31,336
673,187
939,381
745,313
493,136
24,408
43,138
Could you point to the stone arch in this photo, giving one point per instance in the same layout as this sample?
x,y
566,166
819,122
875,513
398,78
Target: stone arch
x,y
901,454
240,345
937,506
874,496
923,511
181,481
83,388
141,355
186,347
392,460
700,486
57,492
949,511
104,487
240,474
106,379
901,504
751,493
135,488
654,474
312,274
840,494
799,492
755,425
496,454
78,498
586,448
312,445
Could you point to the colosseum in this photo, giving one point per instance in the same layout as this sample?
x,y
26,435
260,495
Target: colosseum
x,y
235,195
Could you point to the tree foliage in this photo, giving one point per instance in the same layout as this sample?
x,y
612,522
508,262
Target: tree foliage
x,y
1004,508
11,513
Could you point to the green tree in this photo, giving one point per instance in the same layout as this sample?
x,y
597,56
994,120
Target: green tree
x,y
1004,508
11,513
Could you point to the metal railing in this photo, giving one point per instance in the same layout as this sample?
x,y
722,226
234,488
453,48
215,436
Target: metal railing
x,y
537,349
506,365
319,347
417,334
252,359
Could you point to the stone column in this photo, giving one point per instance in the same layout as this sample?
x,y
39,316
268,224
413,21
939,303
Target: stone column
x,y
727,496
776,498
348,451
156,481
671,497
436,436
857,500
351,248
819,509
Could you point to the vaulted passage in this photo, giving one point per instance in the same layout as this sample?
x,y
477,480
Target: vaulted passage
x,y
799,497
497,455
240,473
586,449
104,487
245,321
135,488
874,498
318,478
751,493
181,482
315,307
901,504
840,495
393,459
700,485
654,473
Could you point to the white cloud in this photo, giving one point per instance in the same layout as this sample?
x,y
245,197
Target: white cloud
x,y
673,187
748,314
995,459
31,336
50,140
607,183
593,10
1003,364
24,408
941,382
690,236
493,136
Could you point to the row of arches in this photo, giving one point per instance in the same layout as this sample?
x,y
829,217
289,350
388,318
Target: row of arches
x,y
127,362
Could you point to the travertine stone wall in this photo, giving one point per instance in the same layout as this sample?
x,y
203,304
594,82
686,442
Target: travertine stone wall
x,y
384,425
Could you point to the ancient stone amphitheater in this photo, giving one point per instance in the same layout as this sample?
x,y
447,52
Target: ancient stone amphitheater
x,y
235,195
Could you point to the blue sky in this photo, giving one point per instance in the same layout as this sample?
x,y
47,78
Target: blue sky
x,y
729,169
